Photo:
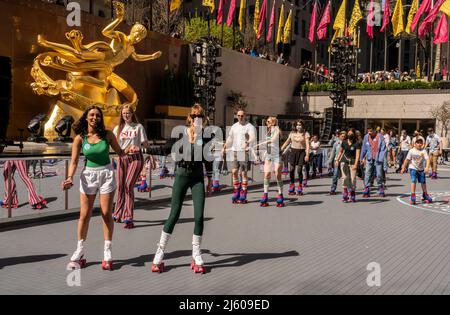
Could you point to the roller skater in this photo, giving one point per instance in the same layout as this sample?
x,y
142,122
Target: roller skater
x,y
434,146
130,167
280,201
270,149
239,141
333,158
347,159
97,177
374,153
419,164
189,175
264,202
299,153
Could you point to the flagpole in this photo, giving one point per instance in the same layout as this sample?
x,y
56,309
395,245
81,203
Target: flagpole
x,y
168,17
400,55
430,66
385,49
265,25
221,31
371,55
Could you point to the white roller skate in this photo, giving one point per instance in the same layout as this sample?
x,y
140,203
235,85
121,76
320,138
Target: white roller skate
x,y
77,260
197,264
107,263
158,265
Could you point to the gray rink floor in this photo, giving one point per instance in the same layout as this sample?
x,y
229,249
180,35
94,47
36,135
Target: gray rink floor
x,y
315,245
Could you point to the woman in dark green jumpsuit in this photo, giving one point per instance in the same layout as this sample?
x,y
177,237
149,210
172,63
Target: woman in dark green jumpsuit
x,y
189,174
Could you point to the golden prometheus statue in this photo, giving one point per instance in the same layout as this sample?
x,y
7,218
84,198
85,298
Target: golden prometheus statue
x,y
90,77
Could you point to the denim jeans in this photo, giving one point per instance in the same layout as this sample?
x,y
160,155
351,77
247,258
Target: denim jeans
x,y
370,165
335,177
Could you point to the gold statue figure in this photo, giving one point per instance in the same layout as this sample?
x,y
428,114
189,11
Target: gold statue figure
x,y
90,76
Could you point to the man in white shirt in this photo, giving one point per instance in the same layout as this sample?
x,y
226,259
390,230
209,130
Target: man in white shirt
x,y
240,140
434,147
403,148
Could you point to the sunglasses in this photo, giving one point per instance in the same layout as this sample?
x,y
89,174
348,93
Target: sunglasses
x,y
240,115
197,116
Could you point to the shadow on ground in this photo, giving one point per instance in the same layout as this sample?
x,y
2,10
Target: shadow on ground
x,y
13,261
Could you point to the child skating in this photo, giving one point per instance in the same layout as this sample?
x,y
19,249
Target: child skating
x,y
419,164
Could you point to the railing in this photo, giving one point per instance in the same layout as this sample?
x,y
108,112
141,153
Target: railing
x,y
46,171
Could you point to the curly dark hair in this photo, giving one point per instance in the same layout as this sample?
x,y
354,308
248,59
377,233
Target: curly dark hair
x,y
81,126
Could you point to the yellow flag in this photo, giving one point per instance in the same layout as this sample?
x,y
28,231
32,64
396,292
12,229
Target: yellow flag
x,y
356,17
287,29
241,15
175,5
256,17
339,22
280,26
397,19
210,4
411,14
445,7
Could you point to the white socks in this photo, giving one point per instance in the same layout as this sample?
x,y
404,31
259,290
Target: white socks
x,y
196,253
161,247
79,253
107,255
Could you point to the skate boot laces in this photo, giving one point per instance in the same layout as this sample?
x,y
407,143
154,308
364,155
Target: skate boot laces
x,y
158,256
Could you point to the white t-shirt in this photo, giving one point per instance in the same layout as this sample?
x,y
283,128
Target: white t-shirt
x,y
418,159
404,143
239,134
132,134
315,145
433,142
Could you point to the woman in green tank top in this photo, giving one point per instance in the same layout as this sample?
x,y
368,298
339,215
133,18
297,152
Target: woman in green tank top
x,y
93,140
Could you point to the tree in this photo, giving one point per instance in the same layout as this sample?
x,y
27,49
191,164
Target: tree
x,y
236,101
197,27
442,115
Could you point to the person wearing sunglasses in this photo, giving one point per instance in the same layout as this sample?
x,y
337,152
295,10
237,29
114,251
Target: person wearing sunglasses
x,y
240,140
189,174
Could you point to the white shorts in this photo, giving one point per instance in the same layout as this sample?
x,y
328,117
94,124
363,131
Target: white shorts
x,y
94,179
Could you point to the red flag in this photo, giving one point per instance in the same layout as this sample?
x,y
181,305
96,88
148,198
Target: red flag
x,y
231,12
427,24
220,13
272,23
424,8
262,18
312,26
441,31
324,22
370,21
386,16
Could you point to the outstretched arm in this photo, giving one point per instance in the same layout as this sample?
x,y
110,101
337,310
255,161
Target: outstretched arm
x,y
109,31
154,56
61,48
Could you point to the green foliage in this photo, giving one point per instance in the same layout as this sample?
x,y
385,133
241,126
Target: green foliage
x,y
197,27
176,88
406,85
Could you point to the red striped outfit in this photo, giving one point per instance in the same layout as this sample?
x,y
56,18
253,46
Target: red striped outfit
x,y
21,166
129,168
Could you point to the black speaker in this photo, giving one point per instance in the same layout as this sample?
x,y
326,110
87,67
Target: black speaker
x,y
5,94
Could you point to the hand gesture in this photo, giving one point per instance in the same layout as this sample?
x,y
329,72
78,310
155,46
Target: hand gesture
x,y
67,184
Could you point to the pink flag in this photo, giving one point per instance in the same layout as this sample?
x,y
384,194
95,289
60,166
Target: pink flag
x,y
312,26
370,22
272,23
262,18
231,12
441,31
427,24
424,8
386,16
324,21
220,13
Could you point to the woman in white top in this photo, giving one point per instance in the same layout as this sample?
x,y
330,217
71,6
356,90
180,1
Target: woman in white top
x,y
129,167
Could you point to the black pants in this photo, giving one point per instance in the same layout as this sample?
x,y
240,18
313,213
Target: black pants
x,y
296,160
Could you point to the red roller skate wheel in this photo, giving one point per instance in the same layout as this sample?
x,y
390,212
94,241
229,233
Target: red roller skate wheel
x,y
158,268
198,269
107,265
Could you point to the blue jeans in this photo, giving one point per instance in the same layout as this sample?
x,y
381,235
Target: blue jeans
x,y
370,165
335,176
